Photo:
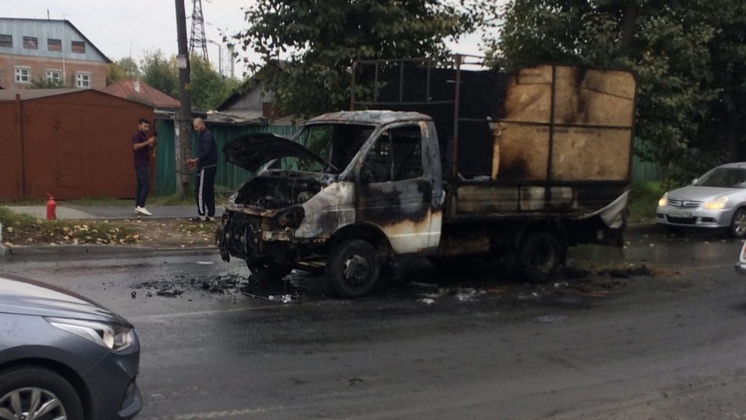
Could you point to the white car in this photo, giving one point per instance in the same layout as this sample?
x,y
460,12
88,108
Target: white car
x,y
717,199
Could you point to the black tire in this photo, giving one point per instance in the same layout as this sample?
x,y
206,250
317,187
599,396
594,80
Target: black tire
x,y
737,227
353,268
22,381
538,257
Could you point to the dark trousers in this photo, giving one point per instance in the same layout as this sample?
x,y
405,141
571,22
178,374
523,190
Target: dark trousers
x,y
143,185
204,191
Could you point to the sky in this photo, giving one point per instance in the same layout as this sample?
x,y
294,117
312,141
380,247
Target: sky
x,y
129,28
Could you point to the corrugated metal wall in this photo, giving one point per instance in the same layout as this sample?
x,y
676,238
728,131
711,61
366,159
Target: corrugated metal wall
x,y
229,177
71,145
11,174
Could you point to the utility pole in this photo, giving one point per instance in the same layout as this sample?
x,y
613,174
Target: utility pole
x,y
183,126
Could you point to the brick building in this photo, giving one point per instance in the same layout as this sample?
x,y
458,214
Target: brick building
x,y
35,50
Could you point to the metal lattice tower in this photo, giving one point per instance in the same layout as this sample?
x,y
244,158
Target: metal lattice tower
x,y
198,40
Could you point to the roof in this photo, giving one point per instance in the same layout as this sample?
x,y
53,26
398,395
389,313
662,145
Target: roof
x,y
44,21
139,91
250,84
26,94
369,117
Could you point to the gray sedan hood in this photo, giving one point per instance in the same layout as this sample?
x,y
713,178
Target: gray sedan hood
x,y
254,150
29,297
697,193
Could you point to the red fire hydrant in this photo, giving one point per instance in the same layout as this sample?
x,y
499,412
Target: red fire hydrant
x,y
51,208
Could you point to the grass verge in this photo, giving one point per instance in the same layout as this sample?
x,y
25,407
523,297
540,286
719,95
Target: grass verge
x,y
19,229
644,200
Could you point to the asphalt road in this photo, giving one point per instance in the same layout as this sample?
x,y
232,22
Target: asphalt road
x,y
669,345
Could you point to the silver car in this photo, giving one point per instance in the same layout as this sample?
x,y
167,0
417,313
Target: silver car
x,y
715,200
64,357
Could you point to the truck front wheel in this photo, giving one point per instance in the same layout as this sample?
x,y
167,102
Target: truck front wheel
x,y
353,268
538,256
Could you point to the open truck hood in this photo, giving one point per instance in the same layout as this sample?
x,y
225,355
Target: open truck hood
x,y
251,151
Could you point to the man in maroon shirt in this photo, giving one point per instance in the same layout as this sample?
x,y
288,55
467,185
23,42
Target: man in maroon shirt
x,y
141,146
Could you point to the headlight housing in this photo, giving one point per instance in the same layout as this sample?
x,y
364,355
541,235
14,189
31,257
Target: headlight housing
x,y
292,217
716,204
663,202
114,337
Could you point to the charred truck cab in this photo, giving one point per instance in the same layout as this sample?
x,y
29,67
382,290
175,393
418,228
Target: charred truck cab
x,y
515,166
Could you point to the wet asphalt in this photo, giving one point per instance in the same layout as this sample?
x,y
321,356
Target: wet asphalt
x,y
651,331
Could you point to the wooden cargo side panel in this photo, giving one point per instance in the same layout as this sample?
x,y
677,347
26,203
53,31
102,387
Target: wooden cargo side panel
x,y
521,151
591,154
588,135
594,98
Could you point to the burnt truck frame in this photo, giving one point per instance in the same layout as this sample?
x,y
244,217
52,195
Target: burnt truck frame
x,y
528,162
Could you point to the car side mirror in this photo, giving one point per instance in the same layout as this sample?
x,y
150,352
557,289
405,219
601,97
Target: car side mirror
x,y
694,181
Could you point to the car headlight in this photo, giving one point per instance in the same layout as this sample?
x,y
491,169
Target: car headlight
x,y
663,202
112,336
716,204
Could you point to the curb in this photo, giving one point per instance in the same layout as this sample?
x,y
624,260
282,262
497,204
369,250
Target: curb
x,y
98,250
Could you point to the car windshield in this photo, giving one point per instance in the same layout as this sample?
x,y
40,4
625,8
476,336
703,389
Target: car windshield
x,y
723,177
337,143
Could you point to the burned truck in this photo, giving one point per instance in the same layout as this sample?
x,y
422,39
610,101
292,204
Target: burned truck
x,y
512,166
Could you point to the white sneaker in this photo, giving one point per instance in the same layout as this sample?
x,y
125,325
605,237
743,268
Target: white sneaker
x,y
143,211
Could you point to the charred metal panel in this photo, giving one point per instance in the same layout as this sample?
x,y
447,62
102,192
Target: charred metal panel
x,y
407,211
328,211
463,240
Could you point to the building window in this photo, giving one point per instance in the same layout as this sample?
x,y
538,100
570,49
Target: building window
x,y
54,75
30,43
83,79
23,74
54,44
78,47
6,40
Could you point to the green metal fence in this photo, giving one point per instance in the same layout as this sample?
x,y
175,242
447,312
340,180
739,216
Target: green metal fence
x,y
228,177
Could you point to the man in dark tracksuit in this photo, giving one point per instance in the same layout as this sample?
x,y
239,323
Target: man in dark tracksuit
x,y
206,163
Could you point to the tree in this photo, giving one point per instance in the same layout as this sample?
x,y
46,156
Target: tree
x,y
209,89
688,57
160,72
319,40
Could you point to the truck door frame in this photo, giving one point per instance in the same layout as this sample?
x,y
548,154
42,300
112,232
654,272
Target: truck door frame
x,y
407,210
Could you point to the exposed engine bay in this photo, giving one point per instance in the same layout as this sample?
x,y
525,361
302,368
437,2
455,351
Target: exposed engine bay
x,y
277,189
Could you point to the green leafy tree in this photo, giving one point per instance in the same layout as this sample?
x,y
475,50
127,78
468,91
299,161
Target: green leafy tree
x,y
208,88
160,72
688,57
319,40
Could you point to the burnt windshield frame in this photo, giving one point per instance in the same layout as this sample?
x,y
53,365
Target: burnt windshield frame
x,y
338,143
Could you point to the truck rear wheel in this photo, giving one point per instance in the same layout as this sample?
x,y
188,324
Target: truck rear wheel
x,y
353,268
538,257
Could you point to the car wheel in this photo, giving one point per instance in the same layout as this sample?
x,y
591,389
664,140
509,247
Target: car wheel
x,y
539,256
37,393
738,224
353,268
